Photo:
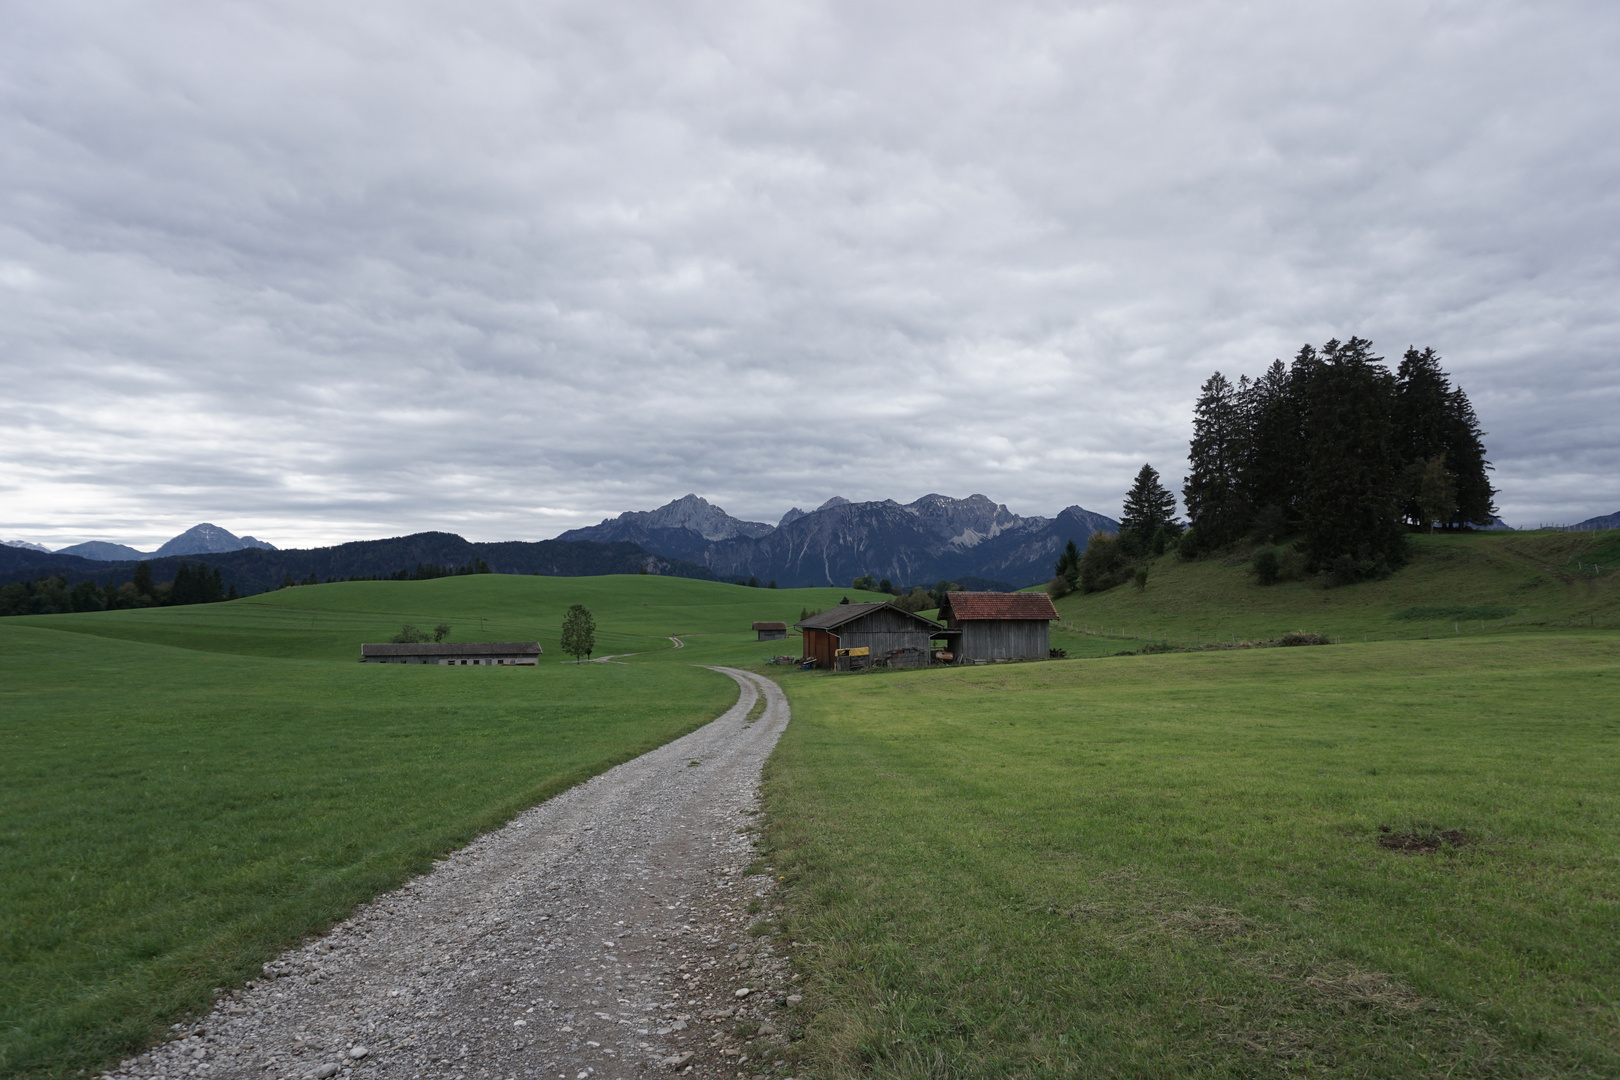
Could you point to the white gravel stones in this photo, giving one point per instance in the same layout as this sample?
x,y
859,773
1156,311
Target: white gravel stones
x,y
593,936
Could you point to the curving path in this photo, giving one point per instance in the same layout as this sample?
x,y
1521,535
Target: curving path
x,y
600,934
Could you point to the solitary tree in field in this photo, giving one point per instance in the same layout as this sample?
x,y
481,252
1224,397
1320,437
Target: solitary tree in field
x,y
578,632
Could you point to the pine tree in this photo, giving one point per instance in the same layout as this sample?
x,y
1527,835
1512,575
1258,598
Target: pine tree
x,y
578,632
1148,506
1465,457
1068,566
1272,454
142,579
1349,503
1213,491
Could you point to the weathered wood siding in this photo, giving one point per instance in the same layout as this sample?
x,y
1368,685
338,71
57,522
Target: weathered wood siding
x,y
884,631
1004,639
773,635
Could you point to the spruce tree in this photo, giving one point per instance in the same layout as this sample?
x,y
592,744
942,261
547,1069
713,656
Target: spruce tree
x,y
1148,506
142,579
1213,489
1349,505
1271,459
1465,457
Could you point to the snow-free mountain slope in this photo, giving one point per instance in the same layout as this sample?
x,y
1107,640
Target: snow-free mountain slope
x,y
921,542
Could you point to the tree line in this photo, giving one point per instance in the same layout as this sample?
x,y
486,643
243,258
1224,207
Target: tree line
x,y
199,584
1339,450
1333,449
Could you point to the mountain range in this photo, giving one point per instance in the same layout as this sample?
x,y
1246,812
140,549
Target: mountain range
x,y
197,540
971,541
254,570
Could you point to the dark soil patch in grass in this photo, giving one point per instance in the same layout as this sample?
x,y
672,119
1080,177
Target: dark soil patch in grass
x,y
1420,843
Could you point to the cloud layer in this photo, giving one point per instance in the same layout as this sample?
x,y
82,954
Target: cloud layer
x,y
319,272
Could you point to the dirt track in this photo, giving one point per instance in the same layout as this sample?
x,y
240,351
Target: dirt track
x,y
600,934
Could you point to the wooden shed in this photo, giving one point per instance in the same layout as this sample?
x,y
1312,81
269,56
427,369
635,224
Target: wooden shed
x,y
893,635
771,631
999,626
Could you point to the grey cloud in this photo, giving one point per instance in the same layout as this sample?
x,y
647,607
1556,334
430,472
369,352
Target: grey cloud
x,y
319,272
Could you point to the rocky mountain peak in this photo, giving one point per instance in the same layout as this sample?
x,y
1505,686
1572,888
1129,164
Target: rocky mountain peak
x,y
207,538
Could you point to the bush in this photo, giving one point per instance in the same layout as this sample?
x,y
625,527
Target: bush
x,y
1103,564
1059,587
409,635
1140,578
1349,569
1301,637
1187,546
1057,654
1265,566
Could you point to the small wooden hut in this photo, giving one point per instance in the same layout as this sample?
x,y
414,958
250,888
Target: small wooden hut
x,y
771,631
890,634
999,626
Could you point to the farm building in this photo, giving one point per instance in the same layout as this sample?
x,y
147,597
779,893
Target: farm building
x,y
771,631
999,626
889,634
479,654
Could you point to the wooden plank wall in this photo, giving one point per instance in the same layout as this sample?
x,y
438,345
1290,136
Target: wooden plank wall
x,y
1005,639
884,630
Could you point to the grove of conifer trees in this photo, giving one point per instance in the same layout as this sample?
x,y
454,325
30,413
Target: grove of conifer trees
x,y
1341,451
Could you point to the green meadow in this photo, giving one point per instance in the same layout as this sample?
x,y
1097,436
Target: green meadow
x,y
1454,585
1170,865
1141,865
186,791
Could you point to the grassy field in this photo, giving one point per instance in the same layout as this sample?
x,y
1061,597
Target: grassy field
x,y
186,791
1454,585
1171,865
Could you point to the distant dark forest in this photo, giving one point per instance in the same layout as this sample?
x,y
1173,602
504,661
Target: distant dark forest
x,y
44,583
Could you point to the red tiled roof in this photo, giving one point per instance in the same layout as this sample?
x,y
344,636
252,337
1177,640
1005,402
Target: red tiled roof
x,y
991,605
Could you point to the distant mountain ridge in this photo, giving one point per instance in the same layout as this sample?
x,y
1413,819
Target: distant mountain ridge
x,y
253,570
936,537
1605,521
676,529
197,540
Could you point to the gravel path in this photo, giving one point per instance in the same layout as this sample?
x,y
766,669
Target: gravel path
x,y
603,933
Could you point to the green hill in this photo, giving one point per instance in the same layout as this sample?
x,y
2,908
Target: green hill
x,y
1454,584
634,614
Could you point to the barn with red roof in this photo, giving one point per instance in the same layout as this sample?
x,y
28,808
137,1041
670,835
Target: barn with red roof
x,y
999,626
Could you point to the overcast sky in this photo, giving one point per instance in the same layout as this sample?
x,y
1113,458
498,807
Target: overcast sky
x,y
320,272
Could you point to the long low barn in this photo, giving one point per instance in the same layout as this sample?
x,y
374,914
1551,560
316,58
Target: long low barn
x,y
477,654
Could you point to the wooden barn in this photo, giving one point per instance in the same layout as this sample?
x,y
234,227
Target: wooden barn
x,y
771,631
891,635
999,626
477,654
